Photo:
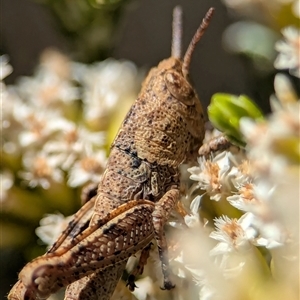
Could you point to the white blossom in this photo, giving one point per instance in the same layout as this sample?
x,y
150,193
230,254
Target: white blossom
x,y
106,84
6,182
193,219
5,67
38,125
72,143
87,169
285,92
51,226
232,234
289,51
50,84
213,176
40,170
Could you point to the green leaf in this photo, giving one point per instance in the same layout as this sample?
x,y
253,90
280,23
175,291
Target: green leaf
x,y
225,112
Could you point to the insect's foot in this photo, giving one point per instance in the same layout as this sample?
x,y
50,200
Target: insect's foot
x,y
168,285
130,283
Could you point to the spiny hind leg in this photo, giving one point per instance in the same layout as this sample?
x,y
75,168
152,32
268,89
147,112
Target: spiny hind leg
x,y
160,215
107,242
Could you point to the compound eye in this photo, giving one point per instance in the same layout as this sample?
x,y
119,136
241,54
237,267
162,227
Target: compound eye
x,y
179,87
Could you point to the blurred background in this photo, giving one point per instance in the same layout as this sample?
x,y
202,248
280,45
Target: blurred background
x,y
89,31
236,55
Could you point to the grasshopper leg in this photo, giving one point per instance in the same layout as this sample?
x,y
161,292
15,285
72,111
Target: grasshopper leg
x,y
160,215
218,143
138,270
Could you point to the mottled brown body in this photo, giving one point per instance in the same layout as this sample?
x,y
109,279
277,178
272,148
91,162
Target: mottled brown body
x,y
139,189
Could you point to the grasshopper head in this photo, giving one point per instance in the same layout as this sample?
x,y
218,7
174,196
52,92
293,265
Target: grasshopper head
x,y
177,79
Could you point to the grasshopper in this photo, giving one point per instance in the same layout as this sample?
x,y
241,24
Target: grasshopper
x,y
136,194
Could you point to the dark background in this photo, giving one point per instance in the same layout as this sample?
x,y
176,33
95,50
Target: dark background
x,y
143,35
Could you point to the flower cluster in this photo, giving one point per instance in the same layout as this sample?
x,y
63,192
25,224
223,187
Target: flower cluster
x,y
55,136
247,201
289,49
49,119
44,123
257,234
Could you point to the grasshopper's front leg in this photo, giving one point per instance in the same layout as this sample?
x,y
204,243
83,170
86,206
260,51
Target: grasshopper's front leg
x,y
160,215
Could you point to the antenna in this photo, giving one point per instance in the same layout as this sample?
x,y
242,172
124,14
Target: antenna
x,y
196,38
177,32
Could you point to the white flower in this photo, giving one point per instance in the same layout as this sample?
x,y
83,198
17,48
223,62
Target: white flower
x,y
106,84
8,101
195,262
51,226
87,169
214,176
271,236
193,219
233,235
50,84
273,144
245,199
235,248
145,288
5,67
46,89
40,170
6,182
73,142
284,90
274,151
206,291
56,63
296,8
241,174
38,125
270,227
289,51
